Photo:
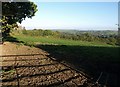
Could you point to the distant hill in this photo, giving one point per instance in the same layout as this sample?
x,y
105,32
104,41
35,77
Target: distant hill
x,y
67,31
93,32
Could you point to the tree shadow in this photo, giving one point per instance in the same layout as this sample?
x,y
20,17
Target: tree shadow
x,y
27,69
11,39
100,63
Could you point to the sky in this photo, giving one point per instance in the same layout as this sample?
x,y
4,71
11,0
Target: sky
x,y
74,15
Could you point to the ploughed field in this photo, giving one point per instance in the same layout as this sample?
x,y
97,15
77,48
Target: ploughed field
x,y
26,66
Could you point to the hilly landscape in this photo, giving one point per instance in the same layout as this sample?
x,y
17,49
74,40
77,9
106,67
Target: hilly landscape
x,y
59,43
97,59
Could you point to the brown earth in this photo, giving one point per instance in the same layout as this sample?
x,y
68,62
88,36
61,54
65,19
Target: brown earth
x,y
29,66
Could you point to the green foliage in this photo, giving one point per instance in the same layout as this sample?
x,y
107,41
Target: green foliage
x,y
24,31
18,11
56,41
40,32
111,39
13,12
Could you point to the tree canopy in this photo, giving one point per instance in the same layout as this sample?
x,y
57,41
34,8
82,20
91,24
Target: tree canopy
x,y
13,12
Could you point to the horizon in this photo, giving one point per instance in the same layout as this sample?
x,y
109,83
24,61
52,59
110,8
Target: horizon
x,y
74,15
75,29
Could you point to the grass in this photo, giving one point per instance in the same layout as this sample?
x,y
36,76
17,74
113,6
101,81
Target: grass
x,y
30,40
9,71
91,50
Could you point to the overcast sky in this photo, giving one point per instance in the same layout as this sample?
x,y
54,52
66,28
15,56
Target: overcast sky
x,y
74,15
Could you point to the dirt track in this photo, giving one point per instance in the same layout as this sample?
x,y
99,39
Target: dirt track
x,y
23,65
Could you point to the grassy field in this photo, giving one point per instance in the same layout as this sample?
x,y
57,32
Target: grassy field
x,y
90,57
92,50
58,41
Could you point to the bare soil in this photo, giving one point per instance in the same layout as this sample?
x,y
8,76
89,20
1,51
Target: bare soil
x,y
29,66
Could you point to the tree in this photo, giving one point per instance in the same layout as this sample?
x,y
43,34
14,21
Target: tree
x,y
13,12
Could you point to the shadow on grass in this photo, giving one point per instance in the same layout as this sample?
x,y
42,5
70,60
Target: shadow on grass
x,y
11,39
101,63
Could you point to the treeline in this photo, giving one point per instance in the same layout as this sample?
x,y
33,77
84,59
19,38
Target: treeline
x,y
40,32
109,39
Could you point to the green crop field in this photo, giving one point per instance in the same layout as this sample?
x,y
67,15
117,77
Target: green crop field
x,y
91,50
57,41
